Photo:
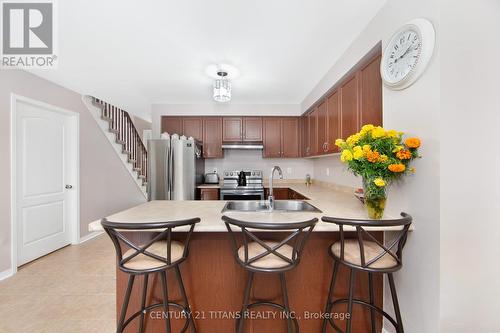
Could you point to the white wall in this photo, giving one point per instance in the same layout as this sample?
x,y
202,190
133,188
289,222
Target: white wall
x,y
293,168
470,181
416,112
105,185
220,109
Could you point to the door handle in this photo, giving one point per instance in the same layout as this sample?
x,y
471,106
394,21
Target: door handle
x,y
69,187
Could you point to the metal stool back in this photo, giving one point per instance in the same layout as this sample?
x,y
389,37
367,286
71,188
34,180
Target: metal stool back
x,y
394,249
157,262
381,259
285,255
116,231
296,236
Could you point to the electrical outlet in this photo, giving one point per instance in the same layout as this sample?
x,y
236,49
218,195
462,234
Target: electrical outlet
x,y
289,171
328,171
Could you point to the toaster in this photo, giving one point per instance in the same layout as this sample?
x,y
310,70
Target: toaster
x,y
212,178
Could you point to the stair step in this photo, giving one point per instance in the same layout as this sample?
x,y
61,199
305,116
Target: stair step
x,y
142,177
106,118
126,152
131,160
137,169
120,142
114,131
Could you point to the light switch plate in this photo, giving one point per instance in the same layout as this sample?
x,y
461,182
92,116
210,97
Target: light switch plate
x,y
328,171
289,171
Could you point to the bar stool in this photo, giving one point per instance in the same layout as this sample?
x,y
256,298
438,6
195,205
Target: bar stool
x,y
156,256
260,256
365,253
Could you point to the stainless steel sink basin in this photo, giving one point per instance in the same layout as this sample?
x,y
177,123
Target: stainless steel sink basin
x,y
262,206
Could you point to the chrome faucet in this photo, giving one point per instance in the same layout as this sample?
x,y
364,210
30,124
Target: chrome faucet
x,y
271,177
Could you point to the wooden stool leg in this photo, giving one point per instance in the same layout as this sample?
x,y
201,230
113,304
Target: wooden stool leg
x,y
246,300
351,296
328,306
163,277
119,328
395,303
143,302
372,301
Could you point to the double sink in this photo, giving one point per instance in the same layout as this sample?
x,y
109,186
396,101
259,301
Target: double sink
x,y
263,206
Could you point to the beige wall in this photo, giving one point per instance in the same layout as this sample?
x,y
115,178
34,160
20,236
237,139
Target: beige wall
x,y
470,181
106,186
141,125
415,111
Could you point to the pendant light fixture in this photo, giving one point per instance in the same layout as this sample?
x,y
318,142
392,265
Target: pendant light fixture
x,y
222,87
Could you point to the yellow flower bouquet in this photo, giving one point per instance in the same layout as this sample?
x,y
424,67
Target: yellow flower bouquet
x,y
379,156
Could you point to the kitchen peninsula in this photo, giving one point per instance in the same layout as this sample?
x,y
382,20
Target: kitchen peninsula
x,y
214,281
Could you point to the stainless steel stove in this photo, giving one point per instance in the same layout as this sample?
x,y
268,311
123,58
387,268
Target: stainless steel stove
x,y
253,190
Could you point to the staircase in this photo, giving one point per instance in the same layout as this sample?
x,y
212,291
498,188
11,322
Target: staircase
x,y
123,135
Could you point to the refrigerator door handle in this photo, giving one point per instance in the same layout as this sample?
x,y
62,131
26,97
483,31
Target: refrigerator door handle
x,y
171,173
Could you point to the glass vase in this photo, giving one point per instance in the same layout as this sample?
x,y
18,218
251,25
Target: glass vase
x,y
375,199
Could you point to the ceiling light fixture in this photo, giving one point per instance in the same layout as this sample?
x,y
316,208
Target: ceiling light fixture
x,y
222,87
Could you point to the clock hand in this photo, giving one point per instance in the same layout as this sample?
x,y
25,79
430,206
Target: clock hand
x,y
406,52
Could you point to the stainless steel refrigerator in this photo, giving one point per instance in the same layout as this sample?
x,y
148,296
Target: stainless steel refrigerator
x,y
175,167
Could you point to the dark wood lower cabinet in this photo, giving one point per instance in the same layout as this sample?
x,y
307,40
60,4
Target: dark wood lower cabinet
x,y
215,283
209,194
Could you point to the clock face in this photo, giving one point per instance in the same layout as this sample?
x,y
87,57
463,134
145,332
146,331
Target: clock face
x,y
403,55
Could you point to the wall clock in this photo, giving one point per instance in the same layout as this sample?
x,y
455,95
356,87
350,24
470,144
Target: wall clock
x,y
407,54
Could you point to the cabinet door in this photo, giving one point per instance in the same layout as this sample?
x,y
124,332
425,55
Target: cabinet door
x,y
232,129
193,126
333,120
252,129
371,94
290,137
209,194
171,125
349,106
272,137
322,127
212,137
313,133
305,136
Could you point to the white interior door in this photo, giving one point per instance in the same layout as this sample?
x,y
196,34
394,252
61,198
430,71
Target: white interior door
x,y
45,162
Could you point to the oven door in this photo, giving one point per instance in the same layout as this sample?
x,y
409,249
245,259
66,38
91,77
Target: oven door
x,y
232,195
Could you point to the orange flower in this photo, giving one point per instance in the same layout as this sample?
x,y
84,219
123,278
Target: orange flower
x,y
397,167
413,142
403,154
372,156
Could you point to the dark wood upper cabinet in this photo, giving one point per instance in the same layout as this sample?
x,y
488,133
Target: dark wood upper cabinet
x,y
371,94
252,128
171,125
290,137
322,127
305,137
212,137
313,132
272,137
232,129
349,101
333,119
193,126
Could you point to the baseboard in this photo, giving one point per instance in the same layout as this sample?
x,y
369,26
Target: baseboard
x,y
89,236
6,274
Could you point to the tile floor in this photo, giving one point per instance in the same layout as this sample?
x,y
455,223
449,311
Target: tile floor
x,y
70,290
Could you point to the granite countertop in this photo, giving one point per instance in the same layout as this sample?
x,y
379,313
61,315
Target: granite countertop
x,y
208,186
332,200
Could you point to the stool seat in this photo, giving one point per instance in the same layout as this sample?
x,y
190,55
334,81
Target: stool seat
x,y
352,254
159,248
268,261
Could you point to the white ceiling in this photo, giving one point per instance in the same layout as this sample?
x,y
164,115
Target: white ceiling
x,y
135,53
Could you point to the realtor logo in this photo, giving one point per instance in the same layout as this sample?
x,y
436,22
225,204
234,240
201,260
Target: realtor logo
x,y
28,34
